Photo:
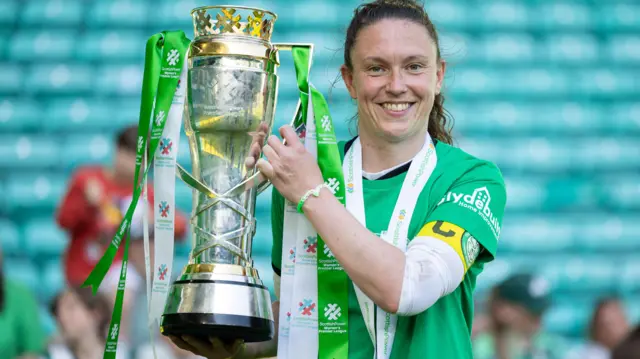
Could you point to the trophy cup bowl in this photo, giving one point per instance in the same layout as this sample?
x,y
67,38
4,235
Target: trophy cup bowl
x,y
231,98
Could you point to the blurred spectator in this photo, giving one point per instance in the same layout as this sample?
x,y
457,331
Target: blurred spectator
x,y
91,211
21,334
515,331
629,348
83,321
607,329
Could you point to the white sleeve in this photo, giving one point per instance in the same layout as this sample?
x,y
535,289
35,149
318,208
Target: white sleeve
x,y
432,270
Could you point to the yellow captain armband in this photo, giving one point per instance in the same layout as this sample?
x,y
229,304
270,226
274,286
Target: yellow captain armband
x,y
460,240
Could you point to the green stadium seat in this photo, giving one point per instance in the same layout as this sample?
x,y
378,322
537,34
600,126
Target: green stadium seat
x,y
621,192
49,13
19,114
508,48
49,325
10,238
86,149
175,14
525,194
567,320
449,15
624,49
49,45
630,272
22,271
632,307
112,46
53,279
21,151
570,49
44,239
607,234
120,13
611,82
502,15
29,192
119,80
619,17
12,76
8,11
627,115
60,79
263,240
79,115
563,16
526,235
581,274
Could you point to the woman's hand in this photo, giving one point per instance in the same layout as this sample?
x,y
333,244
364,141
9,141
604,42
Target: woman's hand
x,y
291,168
212,349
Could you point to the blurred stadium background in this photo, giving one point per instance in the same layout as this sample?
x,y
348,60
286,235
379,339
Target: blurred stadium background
x,y
547,89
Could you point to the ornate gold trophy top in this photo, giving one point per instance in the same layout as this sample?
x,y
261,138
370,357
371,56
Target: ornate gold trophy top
x,y
236,20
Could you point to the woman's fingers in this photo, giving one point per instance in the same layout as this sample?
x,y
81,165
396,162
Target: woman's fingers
x,y
183,345
265,168
202,347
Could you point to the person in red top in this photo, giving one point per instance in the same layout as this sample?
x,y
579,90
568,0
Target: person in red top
x,y
93,208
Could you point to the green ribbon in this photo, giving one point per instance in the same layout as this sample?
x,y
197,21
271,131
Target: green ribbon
x,y
333,294
164,58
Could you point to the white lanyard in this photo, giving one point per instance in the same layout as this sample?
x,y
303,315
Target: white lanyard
x,y
420,170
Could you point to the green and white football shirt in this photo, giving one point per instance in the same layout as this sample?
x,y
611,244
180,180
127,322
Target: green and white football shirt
x,y
464,199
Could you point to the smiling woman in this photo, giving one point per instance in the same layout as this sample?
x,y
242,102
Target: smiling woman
x,y
388,269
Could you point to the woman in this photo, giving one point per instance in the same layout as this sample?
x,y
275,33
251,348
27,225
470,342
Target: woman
x,y
608,327
449,211
83,320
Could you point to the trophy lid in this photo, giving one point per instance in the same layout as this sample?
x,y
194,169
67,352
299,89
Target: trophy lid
x,y
236,20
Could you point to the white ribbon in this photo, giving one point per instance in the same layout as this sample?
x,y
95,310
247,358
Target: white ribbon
x,y
382,333
164,168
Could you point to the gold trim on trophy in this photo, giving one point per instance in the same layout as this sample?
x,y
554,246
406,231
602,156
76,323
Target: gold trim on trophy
x,y
236,20
221,269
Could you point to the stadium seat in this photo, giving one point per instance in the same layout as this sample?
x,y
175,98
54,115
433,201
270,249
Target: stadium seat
x,y
44,238
607,234
51,13
562,16
618,17
86,149
78,115
112,46
523,234
28,152
46,44
20,115
22,271
263,240
119,13
449,15
589,274
28,192
622,193
627,115
8,11
569,320
117,79
60,78
53,279
501,15
570,49
10,238
624,49
12,76
508,48
630,270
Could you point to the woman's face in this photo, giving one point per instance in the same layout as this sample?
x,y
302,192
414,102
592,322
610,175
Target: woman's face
x,y
74,318
611,324
395,77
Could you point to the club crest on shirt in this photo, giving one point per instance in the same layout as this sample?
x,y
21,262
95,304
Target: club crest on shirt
x,y
470,248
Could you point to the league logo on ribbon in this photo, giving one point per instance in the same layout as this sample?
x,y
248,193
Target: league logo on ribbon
x,y
162,271
166,145
307,307
163,209
310,244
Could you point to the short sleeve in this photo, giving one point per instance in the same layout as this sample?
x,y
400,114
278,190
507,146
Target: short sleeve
x,y
475,203
277,224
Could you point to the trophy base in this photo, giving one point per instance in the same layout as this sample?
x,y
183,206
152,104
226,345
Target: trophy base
x,y
226,306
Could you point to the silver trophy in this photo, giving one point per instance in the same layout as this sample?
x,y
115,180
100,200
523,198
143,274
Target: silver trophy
x,y
231,100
